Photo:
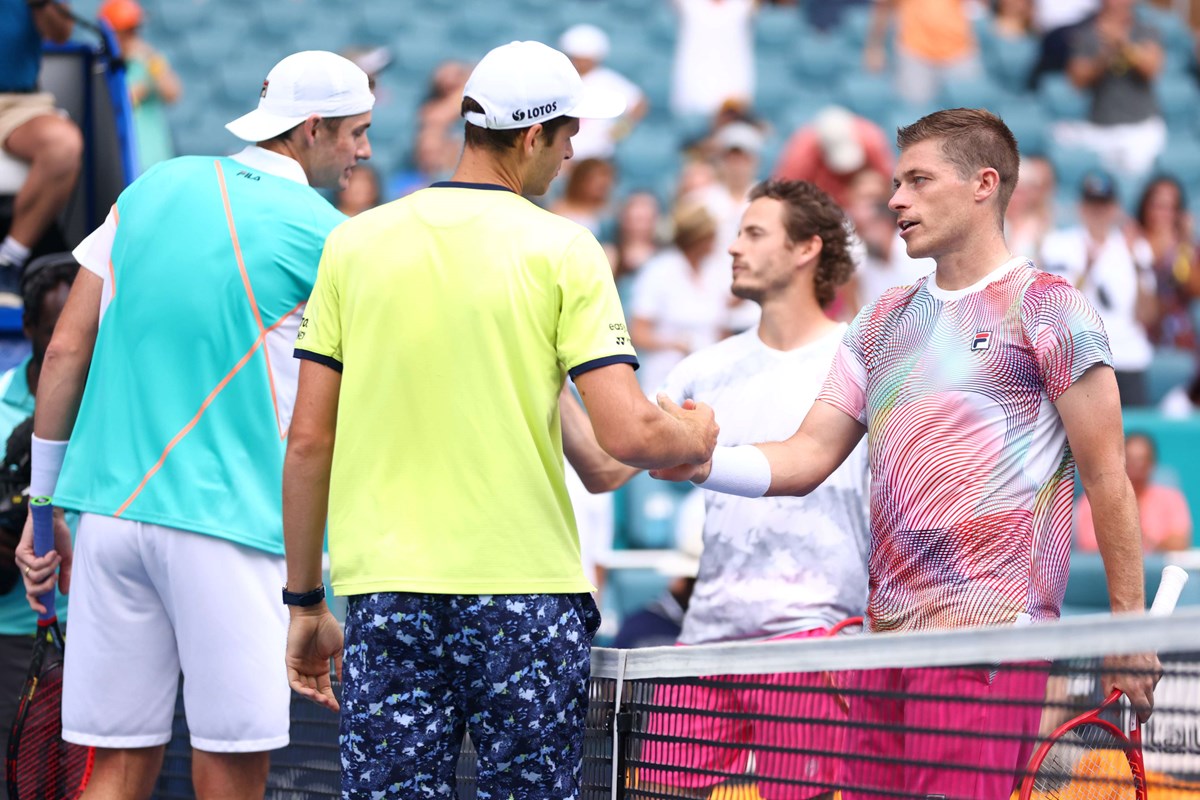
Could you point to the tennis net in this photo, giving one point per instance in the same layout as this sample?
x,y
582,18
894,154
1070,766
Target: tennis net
x,y
954,715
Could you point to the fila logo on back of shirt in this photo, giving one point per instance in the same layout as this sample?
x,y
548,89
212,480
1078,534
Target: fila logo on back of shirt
x,y
982,340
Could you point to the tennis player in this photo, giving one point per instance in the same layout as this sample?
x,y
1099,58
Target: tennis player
x,y
981,387
170,375
433,349
774,568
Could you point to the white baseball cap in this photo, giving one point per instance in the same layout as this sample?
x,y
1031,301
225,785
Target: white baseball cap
x,y
525,83
739,136
843,151
303,84
584,41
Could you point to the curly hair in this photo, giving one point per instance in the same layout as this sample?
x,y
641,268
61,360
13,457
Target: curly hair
x,y
810,212
40,277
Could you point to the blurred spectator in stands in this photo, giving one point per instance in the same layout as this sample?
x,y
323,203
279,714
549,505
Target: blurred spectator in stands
x,y
1163,510
433,158
1111,267
44,287
934,44
661,621
680,299
886,262
1012,19
362,192
32,130
1030,214
826,15
587,47
587,198
714,55
831,151
1162,216
442,105
1115,57
637,238
1058,21
152,84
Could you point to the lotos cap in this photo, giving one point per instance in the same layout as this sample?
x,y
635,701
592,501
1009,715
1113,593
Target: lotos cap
x,y
1098,186
303,84
584,41
835,129
525,83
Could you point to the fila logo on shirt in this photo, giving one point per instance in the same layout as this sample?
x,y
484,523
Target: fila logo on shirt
x,y
982,340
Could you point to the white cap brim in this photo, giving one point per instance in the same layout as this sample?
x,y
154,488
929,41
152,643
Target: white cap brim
x,y
596,103
258,126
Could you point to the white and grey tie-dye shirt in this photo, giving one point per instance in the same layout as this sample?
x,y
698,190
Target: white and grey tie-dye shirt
x,y
773,565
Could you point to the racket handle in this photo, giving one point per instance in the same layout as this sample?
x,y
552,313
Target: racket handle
x,y
1169,588
43,542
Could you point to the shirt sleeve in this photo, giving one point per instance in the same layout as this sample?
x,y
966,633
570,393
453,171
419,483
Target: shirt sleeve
x,y
678,383
591,323
1068,338
320,336
95,252
846,384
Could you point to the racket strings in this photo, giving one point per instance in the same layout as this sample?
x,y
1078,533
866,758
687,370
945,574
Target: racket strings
x,y
45,766
1086,763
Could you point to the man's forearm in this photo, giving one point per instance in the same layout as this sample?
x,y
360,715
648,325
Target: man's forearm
x,y
1119,538
60,389
305,508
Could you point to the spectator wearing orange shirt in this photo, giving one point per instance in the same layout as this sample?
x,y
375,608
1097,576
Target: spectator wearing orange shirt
x,y
1163,510
833,150
935,43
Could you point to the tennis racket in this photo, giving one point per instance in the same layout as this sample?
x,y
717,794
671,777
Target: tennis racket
x,y
1095,756
848,627
41,766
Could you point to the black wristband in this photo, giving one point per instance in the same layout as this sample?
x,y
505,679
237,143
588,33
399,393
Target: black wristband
x,y
34,5
304,598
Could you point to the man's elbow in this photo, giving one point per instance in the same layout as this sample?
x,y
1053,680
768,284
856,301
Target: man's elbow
x,y
307,444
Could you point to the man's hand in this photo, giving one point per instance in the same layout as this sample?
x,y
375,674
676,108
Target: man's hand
x,y
40,573
314,637
1136,675
697,473
699,419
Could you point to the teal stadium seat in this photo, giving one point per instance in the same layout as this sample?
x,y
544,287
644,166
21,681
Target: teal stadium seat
x,y
1028,121
648,155
870,96
1070,165
649,512
1178,98
1062,100
779,29
854,27
1181,158
981,92
821,59
1168,369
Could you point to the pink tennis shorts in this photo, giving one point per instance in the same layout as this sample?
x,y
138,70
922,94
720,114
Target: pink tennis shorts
x,y
977,731
794,735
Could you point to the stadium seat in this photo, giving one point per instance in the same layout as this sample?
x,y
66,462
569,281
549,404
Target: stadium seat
x,y
1010,61
820,59
650,510
980,92
1070,165
648,154
1028,121
855,24
1181,159
870,96
1169,368
1176,38
1178,98
779,29
1061,99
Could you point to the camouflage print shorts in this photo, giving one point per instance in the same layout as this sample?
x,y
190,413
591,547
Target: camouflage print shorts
x,y
422,668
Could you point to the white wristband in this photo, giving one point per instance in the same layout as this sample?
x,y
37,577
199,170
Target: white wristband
x,y
46,462
743,470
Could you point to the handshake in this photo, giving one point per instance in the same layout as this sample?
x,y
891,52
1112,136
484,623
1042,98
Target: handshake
x,y
701,426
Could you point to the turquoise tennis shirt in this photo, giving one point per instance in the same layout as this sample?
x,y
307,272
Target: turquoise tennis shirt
x,y
185,414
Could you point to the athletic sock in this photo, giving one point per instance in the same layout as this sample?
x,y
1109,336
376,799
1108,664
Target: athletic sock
x,y
13,253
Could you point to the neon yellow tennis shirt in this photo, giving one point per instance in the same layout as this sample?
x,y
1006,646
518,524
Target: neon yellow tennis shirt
x,y
454,315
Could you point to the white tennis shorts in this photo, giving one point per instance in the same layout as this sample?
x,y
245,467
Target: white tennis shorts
x,y
148,601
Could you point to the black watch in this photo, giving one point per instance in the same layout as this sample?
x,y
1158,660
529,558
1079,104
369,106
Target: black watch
x,y
304,598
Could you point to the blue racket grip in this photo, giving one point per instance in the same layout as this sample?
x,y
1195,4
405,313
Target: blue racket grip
x,y
43,542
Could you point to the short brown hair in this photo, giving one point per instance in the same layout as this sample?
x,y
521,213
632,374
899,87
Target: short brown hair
x,y
335,123
971,139
809,212
502,141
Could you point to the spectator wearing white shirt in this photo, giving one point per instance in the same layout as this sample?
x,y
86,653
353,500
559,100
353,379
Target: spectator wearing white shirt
x,y
714,55
1111,269
680,298
587,47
